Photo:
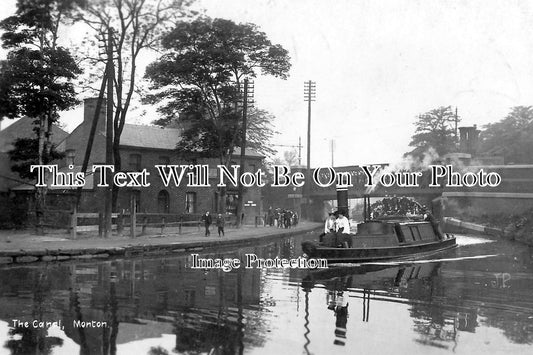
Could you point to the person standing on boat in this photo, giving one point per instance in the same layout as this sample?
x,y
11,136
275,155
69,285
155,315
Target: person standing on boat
x,y
428,216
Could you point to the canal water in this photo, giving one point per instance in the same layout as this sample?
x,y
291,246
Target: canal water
x,y
475,299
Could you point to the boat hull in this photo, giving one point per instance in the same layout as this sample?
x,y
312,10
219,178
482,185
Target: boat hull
x,y
351,255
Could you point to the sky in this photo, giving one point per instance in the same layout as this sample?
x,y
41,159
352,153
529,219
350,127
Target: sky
x,y
378,64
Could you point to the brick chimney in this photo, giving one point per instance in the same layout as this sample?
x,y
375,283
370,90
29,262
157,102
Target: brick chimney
x,y
468,139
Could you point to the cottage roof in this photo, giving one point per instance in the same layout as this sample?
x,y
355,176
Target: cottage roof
x,y
155,137
23,128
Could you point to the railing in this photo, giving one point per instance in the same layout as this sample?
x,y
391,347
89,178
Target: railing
x,y
130,221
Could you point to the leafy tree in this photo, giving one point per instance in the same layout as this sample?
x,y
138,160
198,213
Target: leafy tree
x,y
25,154
434,129
260,131
290,158
36,78
512,137
199,77
136,25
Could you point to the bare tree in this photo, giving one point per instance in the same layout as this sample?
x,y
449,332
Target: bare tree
x,y
136,26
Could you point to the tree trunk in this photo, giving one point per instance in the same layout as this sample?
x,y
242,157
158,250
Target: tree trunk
x,y
40,192
222,199
118,167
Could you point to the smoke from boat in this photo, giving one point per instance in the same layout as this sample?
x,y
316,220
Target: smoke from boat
x,y
408,163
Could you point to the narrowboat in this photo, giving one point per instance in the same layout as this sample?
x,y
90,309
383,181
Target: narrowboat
x,y
382,238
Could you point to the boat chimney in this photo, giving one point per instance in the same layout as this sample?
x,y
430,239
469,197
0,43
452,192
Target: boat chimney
x,y
342,200
366,208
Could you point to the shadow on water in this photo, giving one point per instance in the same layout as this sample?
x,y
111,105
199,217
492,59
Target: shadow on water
x,y
163,306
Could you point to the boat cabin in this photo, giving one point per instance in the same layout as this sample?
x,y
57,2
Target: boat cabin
x,y
375,234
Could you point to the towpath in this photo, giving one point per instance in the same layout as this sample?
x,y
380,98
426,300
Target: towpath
x,y
24,246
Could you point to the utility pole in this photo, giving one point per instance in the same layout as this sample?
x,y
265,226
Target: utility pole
x,y
456,121
310,95
109,133
299,150
92,132
247,98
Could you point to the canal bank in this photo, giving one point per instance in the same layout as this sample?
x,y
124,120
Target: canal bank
x,y
24,247
517,228
454,225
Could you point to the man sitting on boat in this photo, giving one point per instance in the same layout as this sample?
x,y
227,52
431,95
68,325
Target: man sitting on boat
x,y
340,237
329,226
342,224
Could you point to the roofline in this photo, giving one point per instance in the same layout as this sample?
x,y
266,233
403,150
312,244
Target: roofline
x,y
175,149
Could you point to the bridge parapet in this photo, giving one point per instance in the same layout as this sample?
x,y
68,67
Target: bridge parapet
x,y
514,179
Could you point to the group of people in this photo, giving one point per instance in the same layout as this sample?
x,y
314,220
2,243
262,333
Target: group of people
x,y
337,223
281,218
394,206
337,230
220,223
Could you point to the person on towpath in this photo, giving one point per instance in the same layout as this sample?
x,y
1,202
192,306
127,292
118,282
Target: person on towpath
x,y
207,223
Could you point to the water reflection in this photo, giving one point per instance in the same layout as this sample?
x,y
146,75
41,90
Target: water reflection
x,y
444,298
162,306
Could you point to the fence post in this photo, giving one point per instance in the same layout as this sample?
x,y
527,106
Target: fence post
x,y
120,223
162,225
255,221
133,216
179,224
145,222
199,222
74,222
100,224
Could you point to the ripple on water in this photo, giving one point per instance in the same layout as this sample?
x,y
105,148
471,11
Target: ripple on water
x,y
462,239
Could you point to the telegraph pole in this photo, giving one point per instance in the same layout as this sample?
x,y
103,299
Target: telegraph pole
x,y
109,134
247,98
300,151
310,95
456,120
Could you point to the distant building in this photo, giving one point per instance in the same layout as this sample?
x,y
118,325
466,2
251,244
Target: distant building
x,y
23,128
468,146
13,210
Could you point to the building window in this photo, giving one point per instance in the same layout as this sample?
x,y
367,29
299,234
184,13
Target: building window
x,y
190,202
135,162
232,199
71,155
163,202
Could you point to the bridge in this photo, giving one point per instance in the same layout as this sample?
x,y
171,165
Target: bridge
x,y
513,194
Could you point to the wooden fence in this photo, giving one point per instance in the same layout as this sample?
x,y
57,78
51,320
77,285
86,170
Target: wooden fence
x,y
126,221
